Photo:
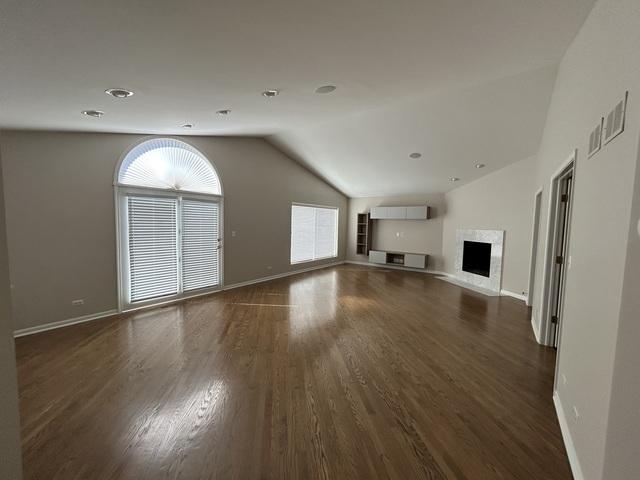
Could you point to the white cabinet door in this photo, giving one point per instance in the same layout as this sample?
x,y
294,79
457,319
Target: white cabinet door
x,y
414,261
377,257
378,213
397,213
417,213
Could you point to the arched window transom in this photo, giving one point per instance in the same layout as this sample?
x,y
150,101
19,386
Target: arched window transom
x,y
169,164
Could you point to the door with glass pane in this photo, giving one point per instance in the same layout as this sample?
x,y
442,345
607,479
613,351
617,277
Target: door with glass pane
x,y
200,244
173,247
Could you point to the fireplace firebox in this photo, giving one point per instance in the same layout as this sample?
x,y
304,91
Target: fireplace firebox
x,y
476,258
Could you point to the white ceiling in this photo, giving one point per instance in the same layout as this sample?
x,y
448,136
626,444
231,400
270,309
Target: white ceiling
x,y
461,81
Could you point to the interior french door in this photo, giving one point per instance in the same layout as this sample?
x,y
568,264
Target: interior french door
x,y
171,247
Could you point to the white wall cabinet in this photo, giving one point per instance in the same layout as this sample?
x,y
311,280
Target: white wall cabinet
x,y
377,256
411,260
414,261
378,213
420,212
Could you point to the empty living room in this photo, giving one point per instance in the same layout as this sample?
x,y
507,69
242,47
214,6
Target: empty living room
x,y
350,240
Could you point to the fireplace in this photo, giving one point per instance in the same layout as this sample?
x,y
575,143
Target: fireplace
x,y
476,258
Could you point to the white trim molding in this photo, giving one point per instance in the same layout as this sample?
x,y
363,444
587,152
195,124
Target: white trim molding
x,y
281,275
566,436
95,316
396,267
536,330
509,293
547,260
63,323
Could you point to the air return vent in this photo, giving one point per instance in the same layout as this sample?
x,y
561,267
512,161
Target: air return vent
x,y
595,139
614,123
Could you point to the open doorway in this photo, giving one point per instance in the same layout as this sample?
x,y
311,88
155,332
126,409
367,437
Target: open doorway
x,y
557,259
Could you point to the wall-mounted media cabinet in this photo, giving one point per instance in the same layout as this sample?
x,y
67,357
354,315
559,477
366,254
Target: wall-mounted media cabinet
x,y
411,260
420,212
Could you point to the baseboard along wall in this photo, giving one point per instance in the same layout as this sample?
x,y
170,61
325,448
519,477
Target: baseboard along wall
x,y
96,316
566,437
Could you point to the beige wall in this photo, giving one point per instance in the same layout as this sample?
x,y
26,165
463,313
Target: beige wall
x,y
61,227
411,236
502,200
10,457
599,66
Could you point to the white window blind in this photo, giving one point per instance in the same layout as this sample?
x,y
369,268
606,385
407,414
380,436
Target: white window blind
x,y
169,164
152,236
200,234
314,233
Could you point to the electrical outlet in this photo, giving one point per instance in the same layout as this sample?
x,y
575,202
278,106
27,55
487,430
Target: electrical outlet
x,y
569,262
233,233
576,414
269,267
77,302
564,379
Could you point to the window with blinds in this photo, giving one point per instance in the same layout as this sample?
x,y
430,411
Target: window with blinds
x,y
314,233
173,246
200,234
153,259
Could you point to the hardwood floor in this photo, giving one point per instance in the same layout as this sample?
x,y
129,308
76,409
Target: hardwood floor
x,y
343,373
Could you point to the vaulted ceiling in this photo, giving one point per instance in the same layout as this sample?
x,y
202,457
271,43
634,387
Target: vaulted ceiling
x,y
459,81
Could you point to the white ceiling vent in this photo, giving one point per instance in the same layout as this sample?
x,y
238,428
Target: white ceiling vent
x,y
595,139
615,120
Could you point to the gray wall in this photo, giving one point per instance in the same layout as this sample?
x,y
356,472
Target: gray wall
x,y
502,200
622,455
599,66
411,236
61,226
10,457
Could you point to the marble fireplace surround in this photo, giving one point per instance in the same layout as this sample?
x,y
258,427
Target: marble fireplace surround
x,y
496,239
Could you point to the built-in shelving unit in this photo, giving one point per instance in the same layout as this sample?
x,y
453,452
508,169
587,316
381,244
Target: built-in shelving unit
x,y
363,239
411,260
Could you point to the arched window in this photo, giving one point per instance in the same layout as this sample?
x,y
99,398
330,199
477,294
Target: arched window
x,y
167,163
169,207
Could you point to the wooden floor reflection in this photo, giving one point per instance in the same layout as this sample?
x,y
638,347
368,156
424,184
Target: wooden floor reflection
x,y
343,373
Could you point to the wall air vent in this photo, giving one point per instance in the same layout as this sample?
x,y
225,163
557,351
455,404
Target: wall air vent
x,y
595,139
614,124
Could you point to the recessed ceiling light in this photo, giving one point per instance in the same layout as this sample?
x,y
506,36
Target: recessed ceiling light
x,y
415,155
326,89
454,179
223,112
118,92
271,93
93,113
187,125
479,165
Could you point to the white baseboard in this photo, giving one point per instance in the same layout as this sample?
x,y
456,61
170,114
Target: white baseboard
x,y
514,295
566,436
396,267
95,316
280,275
63,323
536,332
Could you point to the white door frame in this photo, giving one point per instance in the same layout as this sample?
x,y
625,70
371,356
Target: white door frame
x,y
120,194
537,204
546,325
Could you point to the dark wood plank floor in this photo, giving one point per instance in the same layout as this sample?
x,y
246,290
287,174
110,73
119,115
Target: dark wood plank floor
x,y
343,373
